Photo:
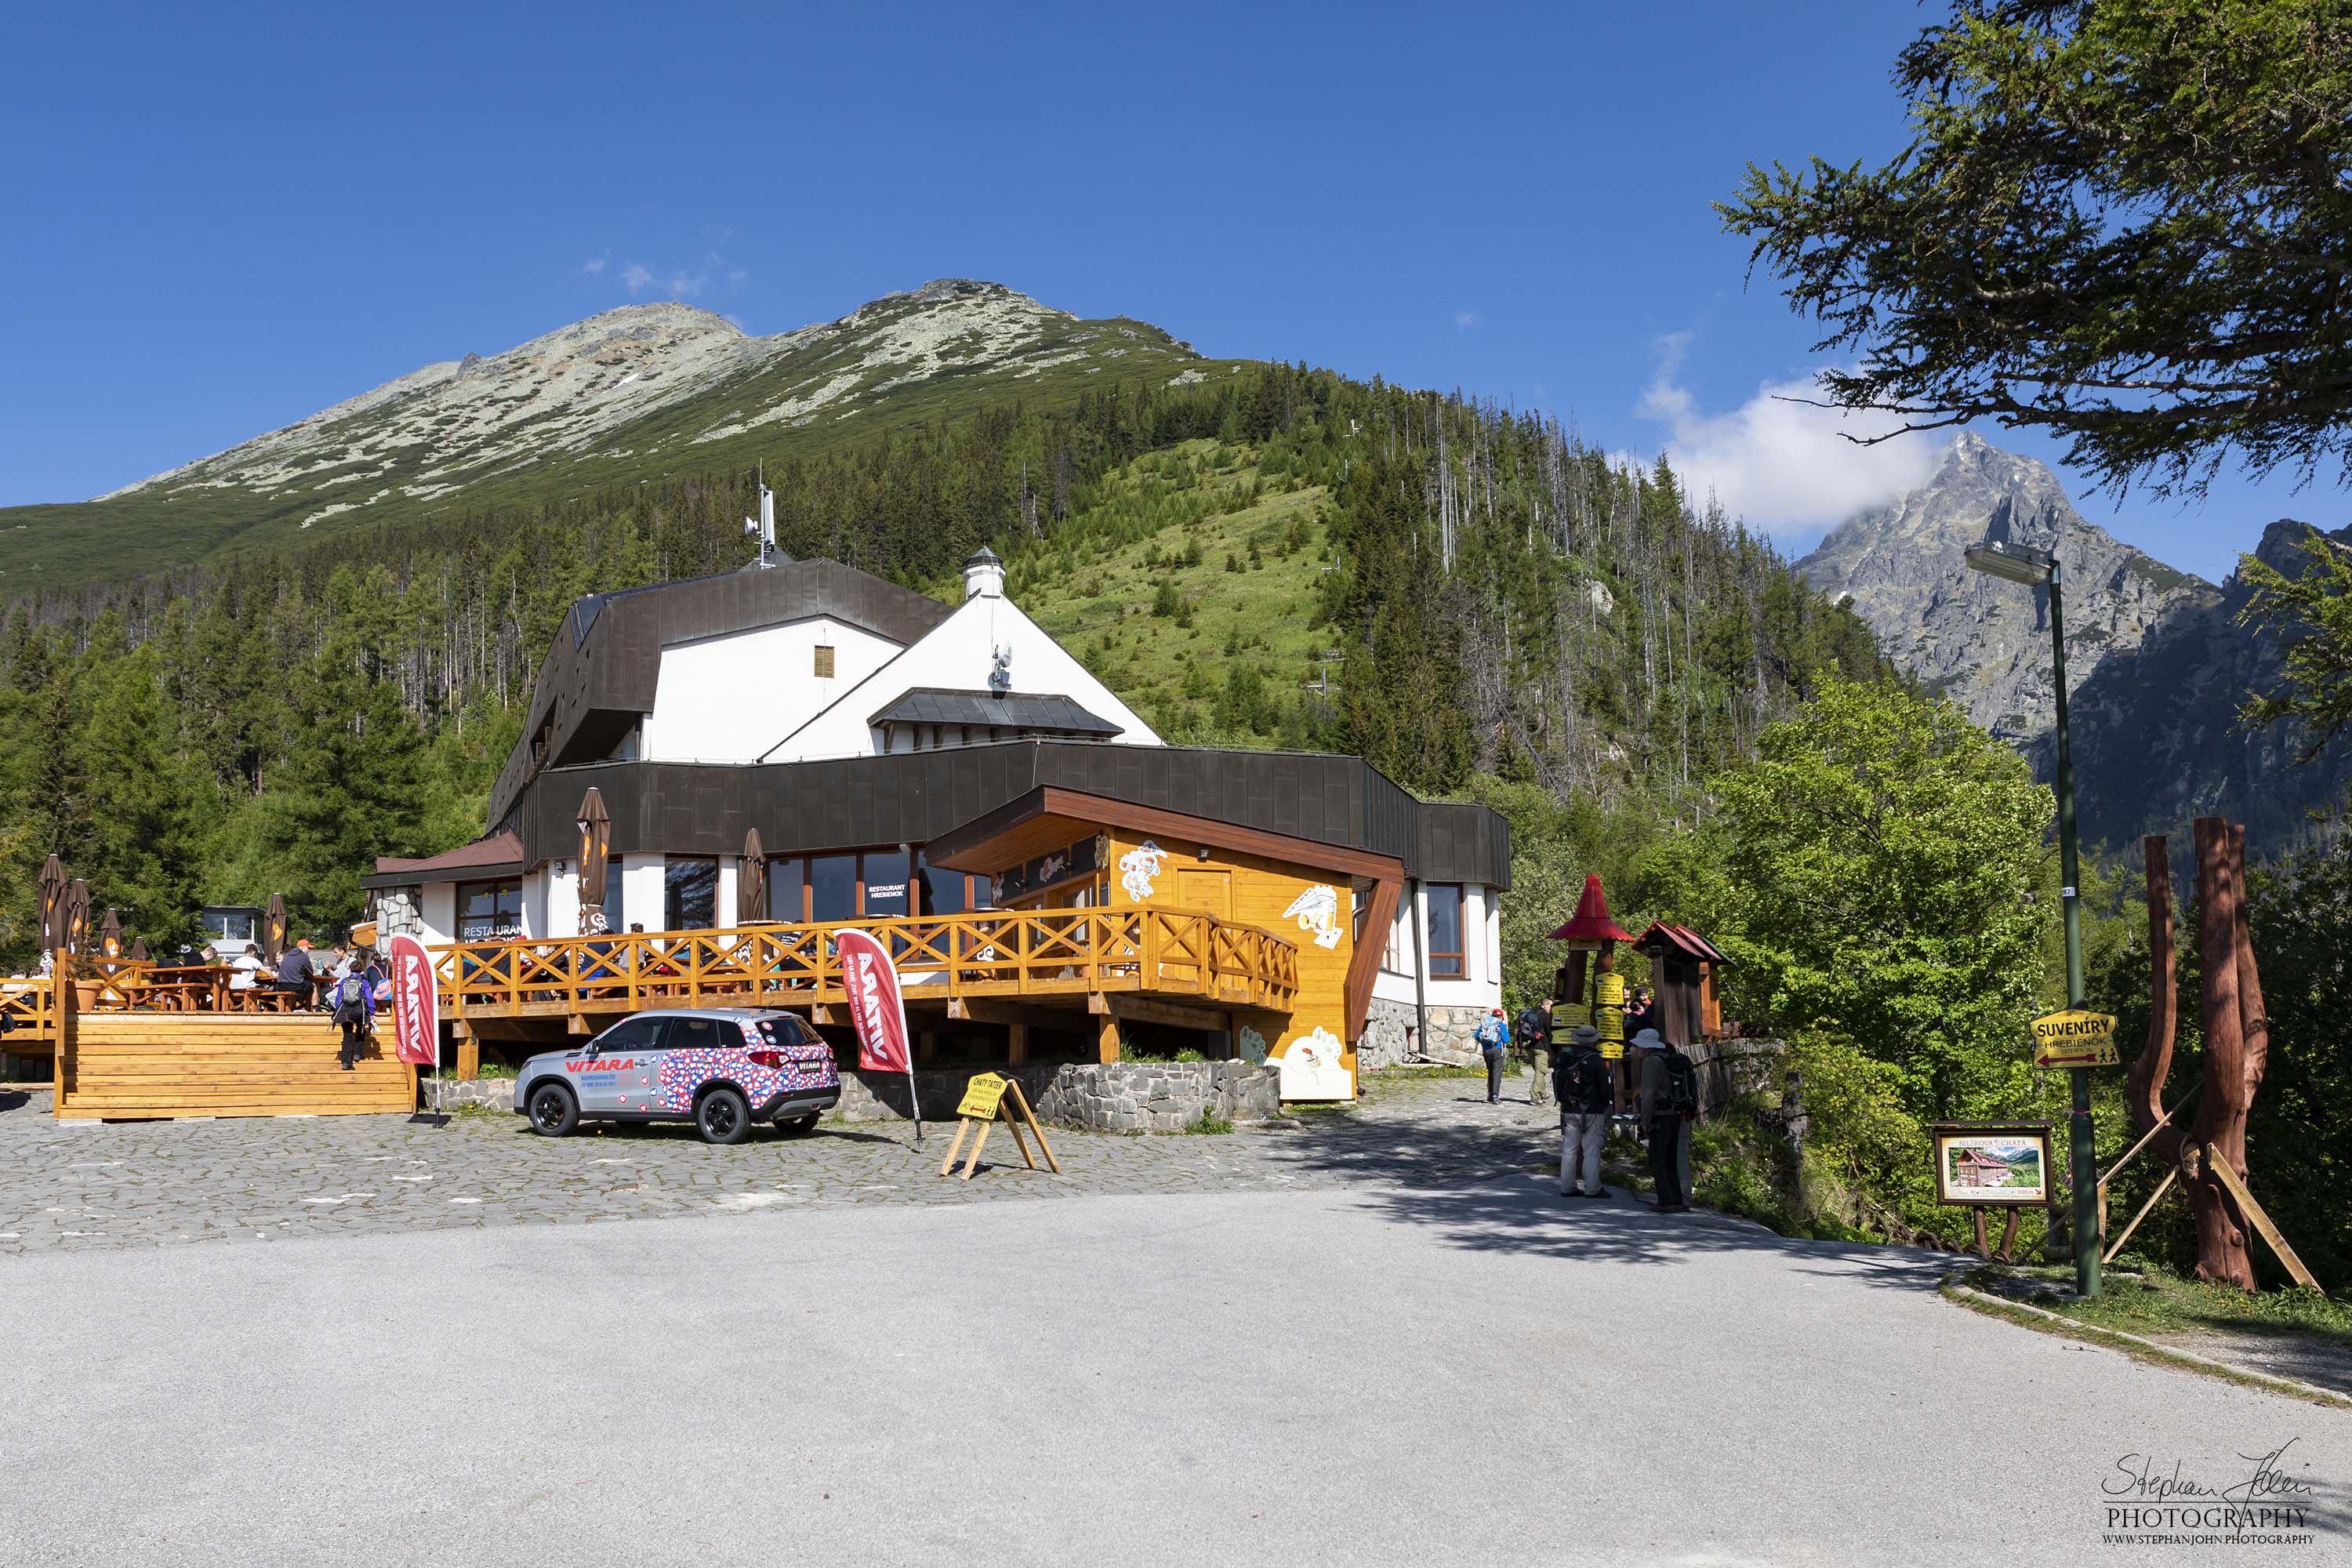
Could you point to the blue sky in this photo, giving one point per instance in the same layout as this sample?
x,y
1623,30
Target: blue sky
x,y
222,219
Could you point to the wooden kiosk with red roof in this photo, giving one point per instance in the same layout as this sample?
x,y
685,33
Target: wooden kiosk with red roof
x,y
1681,972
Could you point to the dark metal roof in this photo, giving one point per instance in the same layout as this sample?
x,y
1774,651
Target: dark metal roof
x,y
600,673
1010,709
913,798
493,855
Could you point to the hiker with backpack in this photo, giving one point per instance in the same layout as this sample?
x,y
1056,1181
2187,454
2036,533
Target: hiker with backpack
x,y
1532,1030
1493,1038
1669,1103
354,996
1587,1091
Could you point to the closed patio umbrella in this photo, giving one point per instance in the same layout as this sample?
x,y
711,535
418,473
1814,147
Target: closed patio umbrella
x,y
751,881
110,936
73,925
52,894
139,951
596,849
273,929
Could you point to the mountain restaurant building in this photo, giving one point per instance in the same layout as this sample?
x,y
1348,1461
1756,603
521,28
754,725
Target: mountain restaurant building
x,y
805,746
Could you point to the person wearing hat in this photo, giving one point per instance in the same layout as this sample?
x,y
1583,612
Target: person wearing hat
x,y
1667,1102
1493,1038
1588,1097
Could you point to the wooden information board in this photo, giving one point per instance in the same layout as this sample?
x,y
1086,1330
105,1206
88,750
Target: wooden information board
x,y
984,1101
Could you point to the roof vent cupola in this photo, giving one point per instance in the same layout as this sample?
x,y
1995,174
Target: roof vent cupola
x,y
983,575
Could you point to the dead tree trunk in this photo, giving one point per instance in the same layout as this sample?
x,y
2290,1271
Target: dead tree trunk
x,y
2233,1001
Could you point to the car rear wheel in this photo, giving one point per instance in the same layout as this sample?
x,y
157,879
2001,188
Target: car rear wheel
x,y
553,1111
798,1126
721,1117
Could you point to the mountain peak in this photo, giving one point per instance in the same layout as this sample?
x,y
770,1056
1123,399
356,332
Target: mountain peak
x,y
1983,641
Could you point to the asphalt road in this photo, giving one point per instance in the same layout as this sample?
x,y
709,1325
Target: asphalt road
x,y
1356,1377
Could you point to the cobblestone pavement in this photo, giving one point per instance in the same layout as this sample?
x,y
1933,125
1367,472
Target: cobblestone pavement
x,y
88,1184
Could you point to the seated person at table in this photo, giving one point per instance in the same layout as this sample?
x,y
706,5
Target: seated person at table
x,y
246,965
294,971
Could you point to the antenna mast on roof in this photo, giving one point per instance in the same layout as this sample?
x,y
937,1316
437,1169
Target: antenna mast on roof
x,y
764,525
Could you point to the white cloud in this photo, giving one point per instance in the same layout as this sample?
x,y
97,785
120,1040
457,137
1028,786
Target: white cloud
x,y
639,278
1466,320
592,266
1784,466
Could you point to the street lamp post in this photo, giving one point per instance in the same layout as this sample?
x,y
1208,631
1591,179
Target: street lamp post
x,y
2034,568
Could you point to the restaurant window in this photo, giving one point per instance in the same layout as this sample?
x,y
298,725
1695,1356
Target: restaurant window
x,y
886,892
944,892
833,888
787,899
825,661
690,894
617,915
489,911
1445,946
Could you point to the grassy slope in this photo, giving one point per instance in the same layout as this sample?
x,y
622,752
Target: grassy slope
x,y
61,545
1095,589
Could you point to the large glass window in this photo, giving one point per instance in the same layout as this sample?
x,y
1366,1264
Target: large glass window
x,y
488,911
616,915
786,902
690,894
943,891
833,888
1445,947
886,892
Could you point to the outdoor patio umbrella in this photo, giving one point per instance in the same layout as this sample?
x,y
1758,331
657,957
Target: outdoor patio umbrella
x,y
751,882
139,950
273,929
595,849
110,936
73,923
52,893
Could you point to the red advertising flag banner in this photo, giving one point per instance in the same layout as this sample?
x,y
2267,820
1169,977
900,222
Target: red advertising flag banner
x,y
415,1001
870,981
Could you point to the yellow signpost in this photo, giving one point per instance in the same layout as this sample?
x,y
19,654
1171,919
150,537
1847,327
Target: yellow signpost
x,y
2074,1038
984,1097
1609,1012
981,1097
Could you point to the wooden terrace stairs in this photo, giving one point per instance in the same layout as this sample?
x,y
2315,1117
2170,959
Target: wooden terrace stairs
x,y
137,1066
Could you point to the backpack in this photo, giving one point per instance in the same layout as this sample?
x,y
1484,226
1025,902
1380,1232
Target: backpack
x,y
350,991
1580,1082
1682,1086
1489,1035
1529,1029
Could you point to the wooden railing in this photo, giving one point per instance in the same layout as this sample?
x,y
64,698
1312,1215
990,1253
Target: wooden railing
x,y
129,985
1037,953
30,1007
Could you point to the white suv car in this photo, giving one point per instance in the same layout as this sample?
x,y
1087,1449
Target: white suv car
x,y
722,1068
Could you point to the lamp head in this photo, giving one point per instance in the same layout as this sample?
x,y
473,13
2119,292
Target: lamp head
x,y
2017,562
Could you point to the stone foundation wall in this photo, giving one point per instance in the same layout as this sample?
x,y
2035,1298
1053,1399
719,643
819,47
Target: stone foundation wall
x,y
1391,1035
1159,1097
1387,1039
1449,1035
1121,1096
497,1093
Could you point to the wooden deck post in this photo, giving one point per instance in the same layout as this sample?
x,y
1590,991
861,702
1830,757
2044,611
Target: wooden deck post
x,y
1106,1038
1016,1049
470,1060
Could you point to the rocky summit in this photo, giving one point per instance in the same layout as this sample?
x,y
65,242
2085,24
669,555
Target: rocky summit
x,y
642,392
2158,663
1982,641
